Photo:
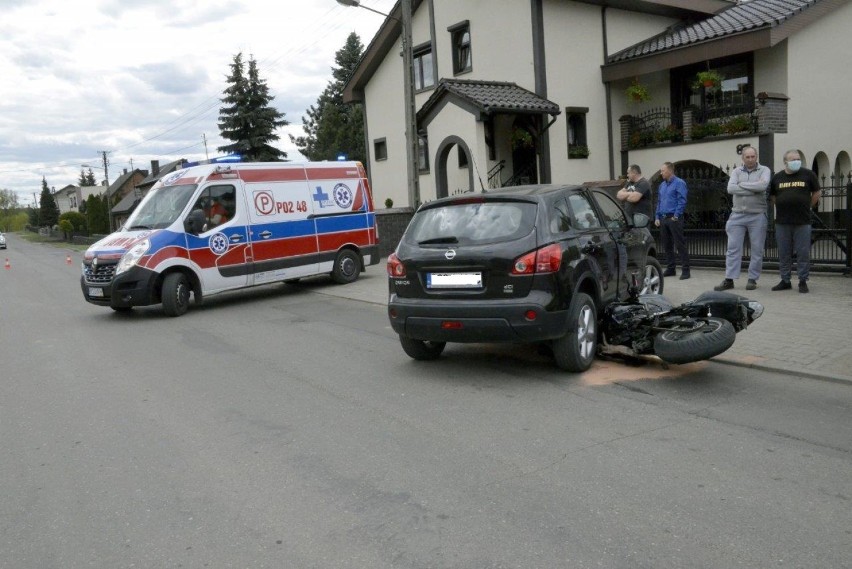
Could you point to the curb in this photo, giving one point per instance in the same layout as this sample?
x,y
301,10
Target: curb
x,y
733,361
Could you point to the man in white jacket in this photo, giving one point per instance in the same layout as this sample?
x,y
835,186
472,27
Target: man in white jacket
x,y
748,186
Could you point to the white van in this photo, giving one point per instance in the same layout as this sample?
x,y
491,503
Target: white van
x,y
211,228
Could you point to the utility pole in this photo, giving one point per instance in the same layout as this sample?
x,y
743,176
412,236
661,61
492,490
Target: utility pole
x,y
204,138
411,138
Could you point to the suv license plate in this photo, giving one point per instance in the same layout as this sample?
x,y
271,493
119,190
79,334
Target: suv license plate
x,y
95,291
454,280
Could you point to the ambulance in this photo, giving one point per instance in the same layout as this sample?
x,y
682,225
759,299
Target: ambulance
x,y
212,228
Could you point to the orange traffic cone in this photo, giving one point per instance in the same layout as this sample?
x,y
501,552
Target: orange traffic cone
x,y
68,259
7,265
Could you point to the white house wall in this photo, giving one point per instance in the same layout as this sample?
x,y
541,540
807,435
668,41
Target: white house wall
x,y
720,153
386,119
454,121
770,69
819,79
500,39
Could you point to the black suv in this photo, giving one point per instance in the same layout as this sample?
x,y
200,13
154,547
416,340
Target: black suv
x,y
525,264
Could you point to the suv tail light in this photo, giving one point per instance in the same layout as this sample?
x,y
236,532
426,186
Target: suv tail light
x,y
395,267
544,260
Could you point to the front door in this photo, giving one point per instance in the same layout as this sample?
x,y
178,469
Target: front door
x,y
595,242
629,243
222,251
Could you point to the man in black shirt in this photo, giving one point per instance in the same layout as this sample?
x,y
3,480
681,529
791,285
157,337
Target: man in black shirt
x,y
793,192
636,193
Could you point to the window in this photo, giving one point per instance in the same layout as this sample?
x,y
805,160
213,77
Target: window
x,y
613,214
583,212
218,204
576,121
560,216
462,158
424,72
422,154
736,90
460,38
380,149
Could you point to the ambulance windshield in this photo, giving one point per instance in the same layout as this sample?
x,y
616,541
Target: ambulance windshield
x,y
160,207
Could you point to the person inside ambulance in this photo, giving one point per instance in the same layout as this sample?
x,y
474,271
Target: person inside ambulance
x,y
218,213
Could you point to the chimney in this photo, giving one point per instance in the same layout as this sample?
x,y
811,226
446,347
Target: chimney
x,y
125,170
155,167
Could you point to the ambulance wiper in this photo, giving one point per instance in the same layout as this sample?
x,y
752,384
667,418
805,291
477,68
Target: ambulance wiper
x,y
436,240
139,227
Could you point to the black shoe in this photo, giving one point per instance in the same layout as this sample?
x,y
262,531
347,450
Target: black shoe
x,y
751,285
803,287
684,275
783,285
726,284
669,273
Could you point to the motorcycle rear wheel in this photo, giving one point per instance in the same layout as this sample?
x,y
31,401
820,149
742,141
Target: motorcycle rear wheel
x,y
698,342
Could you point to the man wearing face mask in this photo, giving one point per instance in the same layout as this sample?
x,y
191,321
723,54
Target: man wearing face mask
x,y
793,191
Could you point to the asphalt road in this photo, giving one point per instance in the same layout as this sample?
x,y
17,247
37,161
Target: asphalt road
x,y
279,427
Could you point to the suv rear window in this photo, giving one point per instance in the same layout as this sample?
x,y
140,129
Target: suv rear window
x,y
472,223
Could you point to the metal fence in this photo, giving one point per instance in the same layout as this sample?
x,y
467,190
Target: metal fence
x,y
709,205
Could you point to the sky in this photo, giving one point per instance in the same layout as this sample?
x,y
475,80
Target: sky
x,y
143,79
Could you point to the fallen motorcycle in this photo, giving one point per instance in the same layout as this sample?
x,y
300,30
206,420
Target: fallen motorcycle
x,y
649,325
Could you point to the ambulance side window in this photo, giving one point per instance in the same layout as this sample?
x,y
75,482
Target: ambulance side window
x,y
218,204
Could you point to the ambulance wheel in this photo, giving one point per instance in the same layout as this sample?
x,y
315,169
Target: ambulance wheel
x,y
175,293
420,349
347,267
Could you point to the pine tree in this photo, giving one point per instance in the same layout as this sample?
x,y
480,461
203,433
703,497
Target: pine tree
x,y
87,179
48,213
96,217
248,119
331,126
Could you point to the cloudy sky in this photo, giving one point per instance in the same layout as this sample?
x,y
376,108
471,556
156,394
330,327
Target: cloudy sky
x,y
142,79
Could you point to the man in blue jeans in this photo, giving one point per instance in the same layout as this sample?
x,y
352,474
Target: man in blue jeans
x,y
670,207
794,191
748,214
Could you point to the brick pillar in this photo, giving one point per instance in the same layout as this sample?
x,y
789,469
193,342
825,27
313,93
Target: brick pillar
x,y
687,124
771,112
625,121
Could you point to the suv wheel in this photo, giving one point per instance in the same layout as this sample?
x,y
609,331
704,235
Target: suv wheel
x,y
652,281
575,351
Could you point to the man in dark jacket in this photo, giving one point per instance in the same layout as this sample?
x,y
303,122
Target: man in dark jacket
x,y
793,192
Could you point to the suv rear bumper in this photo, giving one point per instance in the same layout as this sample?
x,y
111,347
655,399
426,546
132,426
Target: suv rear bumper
x,y
468,321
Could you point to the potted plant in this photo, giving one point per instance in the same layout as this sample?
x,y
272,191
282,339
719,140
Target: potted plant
x,y
637,92
708,79
578,151
388,203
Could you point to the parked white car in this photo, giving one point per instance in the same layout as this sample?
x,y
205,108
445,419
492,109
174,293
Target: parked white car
x,y
2,241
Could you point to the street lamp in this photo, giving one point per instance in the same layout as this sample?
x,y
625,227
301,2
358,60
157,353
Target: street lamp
x,y
411,147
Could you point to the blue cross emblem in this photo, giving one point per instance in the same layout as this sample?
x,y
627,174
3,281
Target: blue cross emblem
x,y
320,197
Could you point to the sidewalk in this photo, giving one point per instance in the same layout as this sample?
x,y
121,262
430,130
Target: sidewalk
x,y
808,335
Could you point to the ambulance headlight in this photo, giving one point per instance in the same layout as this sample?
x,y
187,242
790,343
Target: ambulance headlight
x,y
129,259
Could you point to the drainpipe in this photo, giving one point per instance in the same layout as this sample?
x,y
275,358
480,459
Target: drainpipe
x,y
608,89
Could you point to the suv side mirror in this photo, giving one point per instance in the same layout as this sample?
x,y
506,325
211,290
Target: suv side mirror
x,y
641,220
194,222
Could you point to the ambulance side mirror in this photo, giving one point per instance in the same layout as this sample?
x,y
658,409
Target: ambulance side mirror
x,y
194,222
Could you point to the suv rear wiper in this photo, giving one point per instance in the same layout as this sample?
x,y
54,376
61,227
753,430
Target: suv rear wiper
x,y
436,240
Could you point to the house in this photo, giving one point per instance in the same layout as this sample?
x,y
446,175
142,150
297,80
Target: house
x,y
71,197
510,92
125,185
122,210
67,198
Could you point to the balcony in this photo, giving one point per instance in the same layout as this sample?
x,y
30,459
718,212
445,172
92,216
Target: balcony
x,y
663,125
